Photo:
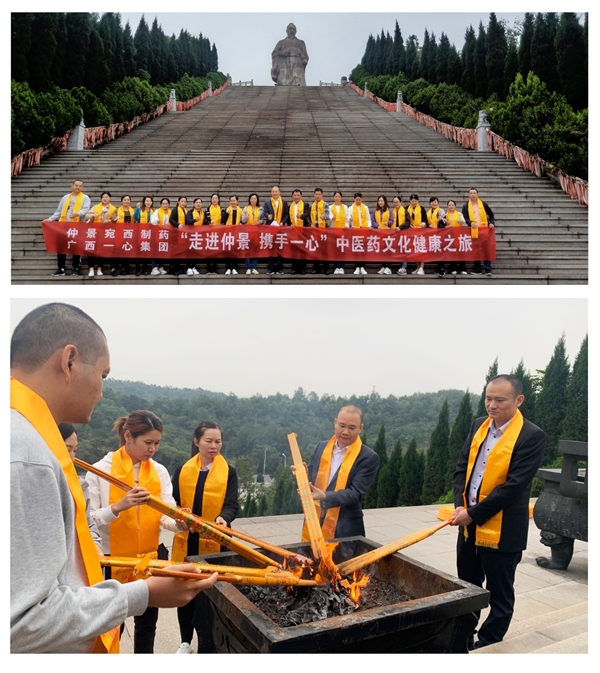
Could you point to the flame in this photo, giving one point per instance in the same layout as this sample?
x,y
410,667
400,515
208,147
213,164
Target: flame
x,y
327,570
358,581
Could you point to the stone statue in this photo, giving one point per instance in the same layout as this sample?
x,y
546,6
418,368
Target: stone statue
x,y
289,60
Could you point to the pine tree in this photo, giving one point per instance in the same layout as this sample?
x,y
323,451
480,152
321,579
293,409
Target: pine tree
x,y
552,399
492,371
511,66
41,54
432,59
20,43
481,74
410,481
458,435
380,448
78,43
398,51
454,67
468,62
543,53
143,46
367,59
529,392
97,75
412,68
575,424
436,460
525,44
389,474
425,57
495,56
569,46
213,66
443,56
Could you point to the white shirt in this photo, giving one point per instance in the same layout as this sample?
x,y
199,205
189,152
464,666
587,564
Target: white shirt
x,y
100,509
337,458
490,441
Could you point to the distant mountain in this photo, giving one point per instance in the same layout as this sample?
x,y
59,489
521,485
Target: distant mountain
x,y
150,392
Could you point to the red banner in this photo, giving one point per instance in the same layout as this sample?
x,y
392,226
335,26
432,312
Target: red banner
x,y
210,242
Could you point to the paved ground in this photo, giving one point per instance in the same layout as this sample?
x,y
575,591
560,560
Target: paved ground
x,y
542,595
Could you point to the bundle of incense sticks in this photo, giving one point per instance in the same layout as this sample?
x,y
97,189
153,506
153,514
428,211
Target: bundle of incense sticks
x,y
359,562
200,526
317,542
231,574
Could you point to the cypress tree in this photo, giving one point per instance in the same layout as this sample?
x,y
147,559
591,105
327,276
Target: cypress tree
x,y
511,66
543,53
492,371
97,75
263,506
432,59
425,57
575,424
569,46
410,481
552,399
372,495
495,56
525,44
158,46
442,59
78,43
436,460
143,46
367,59
481,74
468,62
128,52
214,60
20,44
454,67
529,391
388,486
60,53
458,435
41,54
412,67
398,51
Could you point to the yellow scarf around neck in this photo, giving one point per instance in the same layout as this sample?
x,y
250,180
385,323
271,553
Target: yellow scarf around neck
x,y
432,217
452,219
277,210
415,215
121,211
339,213
215,214
97,210
488,535
296,210
399,216
32,407
238,217
317,214
362,220
213,497
146,216
252,214
483,220
322,481
76,208
382,218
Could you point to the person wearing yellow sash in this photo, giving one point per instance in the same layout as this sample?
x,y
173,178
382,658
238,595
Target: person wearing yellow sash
x,y
382,218
416,215
491,485
195,217
276,213
454,218
340,471
399,222
125,215
215,215
359,218
208,486
298,217
101,212
143,215
233,216
253,213
436,219
71,208
160,217
339,220
126,527
478,214
319,215
58,600
177,219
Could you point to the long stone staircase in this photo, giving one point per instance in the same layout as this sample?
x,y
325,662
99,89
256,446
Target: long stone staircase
x,y
251,138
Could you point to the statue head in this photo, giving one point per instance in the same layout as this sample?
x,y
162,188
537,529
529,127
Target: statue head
x,y
291,30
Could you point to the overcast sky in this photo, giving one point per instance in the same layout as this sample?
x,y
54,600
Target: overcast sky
x,y
336,346
335,41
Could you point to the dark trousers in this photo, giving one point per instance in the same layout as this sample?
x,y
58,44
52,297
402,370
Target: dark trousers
x,y
275,264
62,261
487,267
196,615
498,568
317,267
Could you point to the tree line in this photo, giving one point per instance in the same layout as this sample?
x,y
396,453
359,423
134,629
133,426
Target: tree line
x,y
66,66
531,79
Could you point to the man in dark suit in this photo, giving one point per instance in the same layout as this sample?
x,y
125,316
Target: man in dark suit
x,y
340,472
491,485
477,214
275,212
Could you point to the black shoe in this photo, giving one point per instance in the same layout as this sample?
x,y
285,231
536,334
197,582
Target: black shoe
x,y
59,272
313,271
138,273
114,272
75,271
124,270
327,273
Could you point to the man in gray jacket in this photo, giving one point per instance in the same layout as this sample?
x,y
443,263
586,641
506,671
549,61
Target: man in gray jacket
x,y
58,603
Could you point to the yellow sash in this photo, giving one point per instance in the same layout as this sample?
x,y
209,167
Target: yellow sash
x,y
32,407
432,217
295,219
146,215
483,221
417,219
198,217
317,214
339,220
97,210
163,213
488,535
399,216
363,220
382,219
230,210
121,213
252,214
322,481
76,208
277,212
181,213
136,530
452,219
215,213
213,497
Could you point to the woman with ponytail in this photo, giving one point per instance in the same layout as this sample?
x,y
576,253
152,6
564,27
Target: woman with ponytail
x,y
208,486
126,527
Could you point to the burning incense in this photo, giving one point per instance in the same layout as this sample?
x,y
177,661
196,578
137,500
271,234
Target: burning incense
x,y
359,562
317,542
203,528
155,563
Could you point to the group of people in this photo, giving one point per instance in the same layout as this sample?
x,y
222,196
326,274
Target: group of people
x,y
59,600
274,211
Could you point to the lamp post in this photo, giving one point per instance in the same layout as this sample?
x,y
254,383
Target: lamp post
x,y
284,461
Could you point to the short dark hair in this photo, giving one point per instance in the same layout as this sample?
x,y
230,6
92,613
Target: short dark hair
x,y
50,327
125,195
318,189
107,193
358,194
413,196
66,430
515,383
434,198
297,190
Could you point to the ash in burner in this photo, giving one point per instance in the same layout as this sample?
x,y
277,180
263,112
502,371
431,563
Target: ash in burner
x,y
300,605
